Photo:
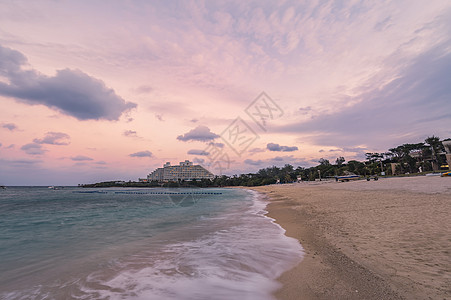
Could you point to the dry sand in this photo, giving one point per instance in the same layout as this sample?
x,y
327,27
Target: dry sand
x,y
386,239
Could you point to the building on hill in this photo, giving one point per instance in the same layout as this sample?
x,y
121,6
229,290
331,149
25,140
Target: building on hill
x,y
184,171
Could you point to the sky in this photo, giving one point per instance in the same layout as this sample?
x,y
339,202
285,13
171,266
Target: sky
x,y
110,90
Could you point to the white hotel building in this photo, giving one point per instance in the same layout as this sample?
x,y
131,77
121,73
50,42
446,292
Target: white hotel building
x,y
184,171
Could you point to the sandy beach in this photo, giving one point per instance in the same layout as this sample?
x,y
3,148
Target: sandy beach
x,y
386,239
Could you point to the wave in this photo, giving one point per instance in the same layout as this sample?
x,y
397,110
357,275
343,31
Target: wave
x,y
240,261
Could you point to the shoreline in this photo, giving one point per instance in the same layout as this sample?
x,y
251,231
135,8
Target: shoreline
x,y
366,240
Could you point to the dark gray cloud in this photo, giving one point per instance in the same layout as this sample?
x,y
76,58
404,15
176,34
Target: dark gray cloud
x,y
198,152
277,147
33,149
81,158
408,109
9,126
141,154
1,144
54,138
200,133
71,92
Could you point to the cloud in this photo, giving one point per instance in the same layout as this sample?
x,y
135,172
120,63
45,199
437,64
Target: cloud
x,y
54,138
352,153
359,153
355,149
277,147
384,24
9,126
288,159
168,107
253,162
198,152
144,89
277,161
257,150
0,144
197,160
130,133
81,158
159,117
100,162
413,105
72,92
33,149
218,145
200,133
141,154
305,110
20,162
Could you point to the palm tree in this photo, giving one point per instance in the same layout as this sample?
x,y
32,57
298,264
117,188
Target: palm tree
x,y
434,143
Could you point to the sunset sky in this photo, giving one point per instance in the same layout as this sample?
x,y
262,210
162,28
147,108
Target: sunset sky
x,y
110,90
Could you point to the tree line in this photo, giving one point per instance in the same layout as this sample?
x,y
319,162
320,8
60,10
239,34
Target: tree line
x,y
422,157
407,158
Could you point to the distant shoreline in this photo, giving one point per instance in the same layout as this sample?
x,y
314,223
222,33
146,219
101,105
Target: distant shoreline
x,y
200,183
188,184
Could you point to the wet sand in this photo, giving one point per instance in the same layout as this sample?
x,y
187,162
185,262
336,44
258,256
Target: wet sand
x,y
386,239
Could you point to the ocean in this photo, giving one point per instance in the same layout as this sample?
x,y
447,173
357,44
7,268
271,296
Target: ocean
x,y
114,243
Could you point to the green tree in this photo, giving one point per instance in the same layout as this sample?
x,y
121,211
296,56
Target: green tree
x,y
435,145
324,162
339,161
356,167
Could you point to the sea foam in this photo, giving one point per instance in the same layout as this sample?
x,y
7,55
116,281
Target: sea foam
x,y
142,244
240,261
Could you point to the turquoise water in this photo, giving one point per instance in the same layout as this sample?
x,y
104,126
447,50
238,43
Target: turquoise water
x,y
77,243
